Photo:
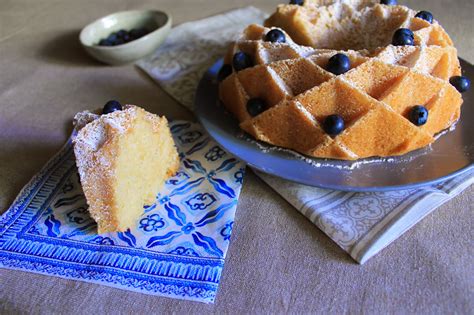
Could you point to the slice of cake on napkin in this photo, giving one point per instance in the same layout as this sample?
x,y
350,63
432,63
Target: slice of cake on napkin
x,y
124,157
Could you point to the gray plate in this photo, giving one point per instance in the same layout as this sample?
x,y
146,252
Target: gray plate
x,y
451,155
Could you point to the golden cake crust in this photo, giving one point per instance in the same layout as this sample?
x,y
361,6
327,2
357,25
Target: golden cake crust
x,y
374,97
96,150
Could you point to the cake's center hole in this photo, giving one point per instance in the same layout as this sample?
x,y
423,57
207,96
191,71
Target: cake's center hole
x,y
344,29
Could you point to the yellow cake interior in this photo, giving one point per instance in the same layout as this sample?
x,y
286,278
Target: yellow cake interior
x,y
142,166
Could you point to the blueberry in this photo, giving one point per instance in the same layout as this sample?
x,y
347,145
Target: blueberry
x,y
275,36
122,33
112,37
297,2
255,106
105,42
338,64
403,37
119,41
425,15
405,32
241,61
419,115
111,106
389,2
126,38
333,125
224,72
462,84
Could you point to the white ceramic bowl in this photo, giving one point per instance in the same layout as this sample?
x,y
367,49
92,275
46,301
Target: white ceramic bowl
x,y
157,21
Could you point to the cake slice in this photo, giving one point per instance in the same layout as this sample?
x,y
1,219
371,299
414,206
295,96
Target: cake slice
x,y
123,158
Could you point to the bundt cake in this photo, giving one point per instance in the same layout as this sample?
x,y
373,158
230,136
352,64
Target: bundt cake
x,y
124,157
353,24
372,80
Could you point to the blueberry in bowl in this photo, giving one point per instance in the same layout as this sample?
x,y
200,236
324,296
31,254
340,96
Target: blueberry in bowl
x,y
123,36
126,36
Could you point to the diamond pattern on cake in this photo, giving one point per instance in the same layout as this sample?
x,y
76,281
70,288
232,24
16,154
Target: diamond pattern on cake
x,y
374,97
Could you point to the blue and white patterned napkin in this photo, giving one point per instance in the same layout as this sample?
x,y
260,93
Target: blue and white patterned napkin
x,y
362,224
176,249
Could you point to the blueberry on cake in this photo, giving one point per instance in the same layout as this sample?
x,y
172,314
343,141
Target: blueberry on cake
x,y
124,157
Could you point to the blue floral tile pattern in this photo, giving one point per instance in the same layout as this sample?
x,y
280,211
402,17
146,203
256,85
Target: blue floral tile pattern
x,y
176,249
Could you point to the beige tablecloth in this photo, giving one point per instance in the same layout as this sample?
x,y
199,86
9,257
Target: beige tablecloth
x,y
278,261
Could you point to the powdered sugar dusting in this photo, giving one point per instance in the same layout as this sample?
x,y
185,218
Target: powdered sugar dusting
x,y
97,125
83,118
451,128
